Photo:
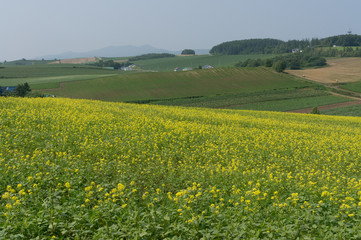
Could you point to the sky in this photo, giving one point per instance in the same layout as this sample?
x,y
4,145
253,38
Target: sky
x,y
33,28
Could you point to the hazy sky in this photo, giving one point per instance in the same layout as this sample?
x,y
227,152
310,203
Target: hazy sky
x,y
32,28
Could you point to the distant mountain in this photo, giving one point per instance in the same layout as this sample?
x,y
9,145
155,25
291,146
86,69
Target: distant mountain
x,y
117,51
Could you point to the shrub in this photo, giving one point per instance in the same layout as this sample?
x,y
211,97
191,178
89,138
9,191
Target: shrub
x,y
315,111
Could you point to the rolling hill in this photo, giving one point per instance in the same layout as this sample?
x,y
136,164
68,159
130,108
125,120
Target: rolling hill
x,y
161,85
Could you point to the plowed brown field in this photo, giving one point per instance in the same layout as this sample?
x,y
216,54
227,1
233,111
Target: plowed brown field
x,y
340,70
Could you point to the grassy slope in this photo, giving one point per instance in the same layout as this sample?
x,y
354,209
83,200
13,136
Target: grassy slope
x,y
49,82
353,86
293,104
168,64
344,111
49,75
180,84
218,88
50,70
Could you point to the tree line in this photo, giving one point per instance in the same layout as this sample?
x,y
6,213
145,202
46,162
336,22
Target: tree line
x,y
345,40
288,61
275,46
111,63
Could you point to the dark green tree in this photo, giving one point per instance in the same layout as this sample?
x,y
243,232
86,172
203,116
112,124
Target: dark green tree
x,y
188,52
22,89
27,87
315,111
279,66
268,62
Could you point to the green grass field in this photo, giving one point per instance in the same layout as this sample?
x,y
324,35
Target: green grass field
x,y
168,64
50,70
233,100
292,104
23,62
49,82
352,86
163,85
50,75
344,111
228,87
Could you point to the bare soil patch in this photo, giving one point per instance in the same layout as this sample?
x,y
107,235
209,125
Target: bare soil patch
x,y
340,70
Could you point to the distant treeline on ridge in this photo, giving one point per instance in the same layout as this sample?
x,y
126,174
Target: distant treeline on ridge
x,y
275,46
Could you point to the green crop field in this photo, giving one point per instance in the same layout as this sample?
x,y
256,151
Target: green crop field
x,y
49,82
168,64
23,62
163,85
344,111
352,86
50,70
50,75
236,100
230,87
293,104
80,169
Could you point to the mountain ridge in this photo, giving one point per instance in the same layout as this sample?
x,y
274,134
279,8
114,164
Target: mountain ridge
x,y
116,51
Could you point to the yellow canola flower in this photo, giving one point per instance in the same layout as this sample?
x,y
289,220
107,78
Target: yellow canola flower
x,y
6,195
120,187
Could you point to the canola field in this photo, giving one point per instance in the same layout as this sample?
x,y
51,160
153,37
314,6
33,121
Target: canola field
x,y
79,169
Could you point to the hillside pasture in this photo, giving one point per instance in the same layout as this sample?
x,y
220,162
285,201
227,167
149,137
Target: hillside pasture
x,y
50,70
271,100
50,76
352,86
165,85
49,82
344,111
168,64
293,104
